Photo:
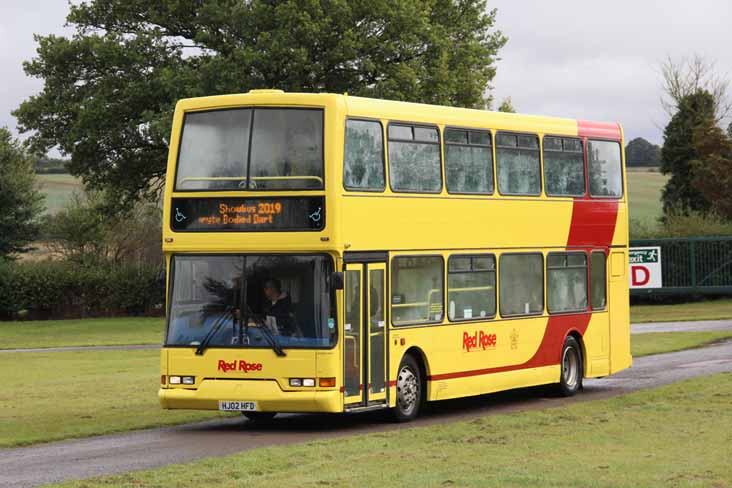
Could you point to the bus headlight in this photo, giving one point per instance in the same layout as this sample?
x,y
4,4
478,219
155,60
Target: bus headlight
x,y
174,380
189,380
308,382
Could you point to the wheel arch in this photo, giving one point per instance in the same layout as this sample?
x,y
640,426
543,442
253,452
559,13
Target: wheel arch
x,y
419,356
578,337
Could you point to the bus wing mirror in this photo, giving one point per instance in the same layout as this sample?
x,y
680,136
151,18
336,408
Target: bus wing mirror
x,y
336,280
160,280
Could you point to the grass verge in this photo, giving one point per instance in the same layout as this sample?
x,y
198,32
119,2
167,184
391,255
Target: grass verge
x,y
83,332
670,436
60,395
659,342
679,312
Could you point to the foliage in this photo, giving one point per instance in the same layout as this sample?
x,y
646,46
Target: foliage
x,y
84,234
110,89
62,289
21,204
713,169
640,152
507,106
680,195
686,77
692,224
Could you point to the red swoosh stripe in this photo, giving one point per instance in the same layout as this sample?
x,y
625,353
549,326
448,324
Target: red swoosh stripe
x,y
593,225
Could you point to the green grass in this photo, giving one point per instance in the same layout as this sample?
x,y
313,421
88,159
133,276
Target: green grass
x,y
658,342
61,395
83,332
58,190
677,435
706,310
644,196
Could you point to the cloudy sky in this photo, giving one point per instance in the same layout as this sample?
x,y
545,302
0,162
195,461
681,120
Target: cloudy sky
x,y
573,58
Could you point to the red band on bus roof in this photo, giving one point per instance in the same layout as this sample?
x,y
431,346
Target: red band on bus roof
x,y
599,130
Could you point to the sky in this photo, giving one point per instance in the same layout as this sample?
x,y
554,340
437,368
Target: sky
x,y
570,58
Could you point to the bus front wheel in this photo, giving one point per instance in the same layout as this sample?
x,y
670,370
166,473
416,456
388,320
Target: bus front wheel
x,y
409,390
570,380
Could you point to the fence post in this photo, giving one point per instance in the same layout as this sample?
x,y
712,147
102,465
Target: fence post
x,y
692,262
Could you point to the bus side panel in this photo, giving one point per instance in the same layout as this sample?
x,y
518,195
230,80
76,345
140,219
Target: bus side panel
x,y
596,345
620,357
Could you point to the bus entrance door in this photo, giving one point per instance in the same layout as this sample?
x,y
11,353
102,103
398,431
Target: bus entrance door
x,y
364,333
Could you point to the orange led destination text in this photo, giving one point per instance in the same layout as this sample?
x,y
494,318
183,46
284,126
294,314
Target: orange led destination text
x,y
244,214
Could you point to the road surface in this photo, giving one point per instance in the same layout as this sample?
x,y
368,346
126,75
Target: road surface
x,y
78,459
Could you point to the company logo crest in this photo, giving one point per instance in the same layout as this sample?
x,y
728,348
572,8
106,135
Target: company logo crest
x,y
240,365
479,339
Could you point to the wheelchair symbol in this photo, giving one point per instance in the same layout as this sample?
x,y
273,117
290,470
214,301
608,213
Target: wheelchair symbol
x,y
179,216
315,216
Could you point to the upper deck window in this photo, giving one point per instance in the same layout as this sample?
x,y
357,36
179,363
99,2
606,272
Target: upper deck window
x,y
414,159
363,161
468,161
517,164
564,167
606,177
251,149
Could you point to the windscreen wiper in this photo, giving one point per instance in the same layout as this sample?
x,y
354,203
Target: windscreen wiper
x,y
272,341
214,329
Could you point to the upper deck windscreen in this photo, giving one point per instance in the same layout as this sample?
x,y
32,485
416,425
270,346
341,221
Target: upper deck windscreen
x,y
251,149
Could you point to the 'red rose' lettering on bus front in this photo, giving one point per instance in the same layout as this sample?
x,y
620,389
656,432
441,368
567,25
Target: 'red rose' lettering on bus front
x,y
240,365
479,339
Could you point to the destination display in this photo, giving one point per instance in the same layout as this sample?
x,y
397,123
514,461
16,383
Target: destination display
x,y
247,214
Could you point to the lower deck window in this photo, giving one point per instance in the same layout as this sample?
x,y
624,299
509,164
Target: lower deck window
x,y
416,290
522,284
471,287
566,282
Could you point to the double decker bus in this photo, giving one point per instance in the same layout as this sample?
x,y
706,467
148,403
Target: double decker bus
x,y
329,253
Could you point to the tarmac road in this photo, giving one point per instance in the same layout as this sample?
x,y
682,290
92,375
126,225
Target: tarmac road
x,y
78,459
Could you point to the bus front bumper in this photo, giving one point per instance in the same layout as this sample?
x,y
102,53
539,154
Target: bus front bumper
x,y
266,393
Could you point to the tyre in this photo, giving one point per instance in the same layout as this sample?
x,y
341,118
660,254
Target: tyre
x,y
409,390
572,371
259,417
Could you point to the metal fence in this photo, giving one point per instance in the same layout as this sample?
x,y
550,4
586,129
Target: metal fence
x,y
692,266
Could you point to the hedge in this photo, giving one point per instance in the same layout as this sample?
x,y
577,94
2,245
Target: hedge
x,y
59,290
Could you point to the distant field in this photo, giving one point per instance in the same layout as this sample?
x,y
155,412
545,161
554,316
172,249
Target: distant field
x,y
58,190
644,194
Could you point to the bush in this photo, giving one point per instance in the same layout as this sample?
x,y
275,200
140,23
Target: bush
x,y
60,290
678,225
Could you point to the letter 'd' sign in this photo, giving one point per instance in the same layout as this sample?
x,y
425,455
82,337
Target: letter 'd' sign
x,y
645,267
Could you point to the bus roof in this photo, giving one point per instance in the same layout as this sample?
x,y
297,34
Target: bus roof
x,y
415,112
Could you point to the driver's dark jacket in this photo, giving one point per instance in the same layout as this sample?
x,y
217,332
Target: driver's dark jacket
x,y
281,310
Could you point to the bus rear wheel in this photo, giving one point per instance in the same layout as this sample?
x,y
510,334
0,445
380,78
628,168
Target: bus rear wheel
x,y
259,417
570,380
410,391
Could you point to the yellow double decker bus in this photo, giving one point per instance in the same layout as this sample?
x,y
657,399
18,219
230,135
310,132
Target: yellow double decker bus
x,y
329,253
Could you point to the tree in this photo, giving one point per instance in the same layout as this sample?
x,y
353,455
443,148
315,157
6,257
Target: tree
x,y
507,106
21,204
640,152
686,77
680,195
713,169
110,89
83,234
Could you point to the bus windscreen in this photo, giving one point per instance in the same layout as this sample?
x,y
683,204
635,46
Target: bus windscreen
x,y
248,300
251,149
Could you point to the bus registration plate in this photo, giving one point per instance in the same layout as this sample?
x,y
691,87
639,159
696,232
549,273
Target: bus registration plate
x,y
237,406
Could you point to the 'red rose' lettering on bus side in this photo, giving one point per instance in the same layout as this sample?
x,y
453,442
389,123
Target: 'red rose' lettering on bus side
x,y
240,365
478,338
